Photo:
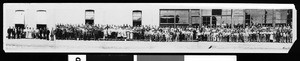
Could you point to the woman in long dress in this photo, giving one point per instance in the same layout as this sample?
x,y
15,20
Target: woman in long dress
x,y
177,36
26,32
246,35
272,36
30,33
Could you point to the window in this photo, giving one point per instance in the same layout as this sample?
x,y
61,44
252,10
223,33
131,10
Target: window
x,y
195,12
170,17
167,16
182,16
167,19
226,11
247,19
216,11
195,19
217,20
206,12
89,14
226,20
137,17
89,17
256,15
206,20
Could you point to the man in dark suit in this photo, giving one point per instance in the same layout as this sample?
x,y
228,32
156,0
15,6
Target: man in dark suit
x,y
40,33
13,33
9,31
47,34
18,32
52,33
101,33
194,34
58,33
181,36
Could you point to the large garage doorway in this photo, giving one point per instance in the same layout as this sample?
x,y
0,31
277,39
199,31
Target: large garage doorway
x,y
137,18
89,17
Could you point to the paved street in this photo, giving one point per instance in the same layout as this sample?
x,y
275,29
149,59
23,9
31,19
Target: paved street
x,y
35,45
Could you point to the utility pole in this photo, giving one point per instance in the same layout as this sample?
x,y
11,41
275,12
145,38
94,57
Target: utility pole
x,y
265,16
273,18
200,17
24,18
210,20
231,18
189,18
244,16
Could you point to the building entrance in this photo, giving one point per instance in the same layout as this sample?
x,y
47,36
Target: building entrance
x,y
41,26
20,26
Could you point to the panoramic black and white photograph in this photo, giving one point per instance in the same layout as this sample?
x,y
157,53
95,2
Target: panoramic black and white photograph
x,y
149,27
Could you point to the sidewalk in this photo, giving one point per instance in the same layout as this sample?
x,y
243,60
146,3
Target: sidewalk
x,y
31,45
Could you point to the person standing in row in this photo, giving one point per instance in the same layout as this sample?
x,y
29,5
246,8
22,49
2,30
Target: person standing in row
x,y
26,31
10,32
47,33
18,33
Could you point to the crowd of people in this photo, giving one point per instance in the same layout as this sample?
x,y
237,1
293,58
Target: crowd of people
x,y
27,33
255,33
227,33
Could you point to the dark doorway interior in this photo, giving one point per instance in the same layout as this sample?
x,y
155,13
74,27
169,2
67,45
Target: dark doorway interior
x,y
216,11
41,26
90,22
89,17
137,18
137,23
20,26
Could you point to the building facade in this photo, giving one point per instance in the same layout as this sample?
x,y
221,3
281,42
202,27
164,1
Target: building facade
x,y
48,15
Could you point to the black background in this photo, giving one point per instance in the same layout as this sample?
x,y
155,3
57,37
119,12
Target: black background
x,y
291,56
